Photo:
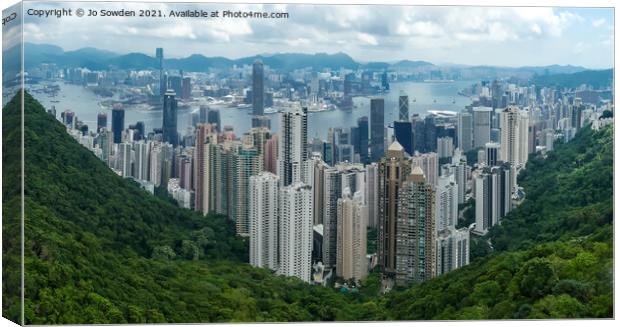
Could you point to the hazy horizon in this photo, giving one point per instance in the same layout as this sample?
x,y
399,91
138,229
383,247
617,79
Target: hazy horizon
x,y
459,35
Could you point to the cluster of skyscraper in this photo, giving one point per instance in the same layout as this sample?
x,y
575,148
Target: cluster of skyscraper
x,y
307,204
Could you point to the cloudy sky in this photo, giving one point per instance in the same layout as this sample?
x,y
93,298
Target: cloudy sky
x,y
459,35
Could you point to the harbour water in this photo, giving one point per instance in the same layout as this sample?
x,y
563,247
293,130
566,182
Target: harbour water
x,y
427,96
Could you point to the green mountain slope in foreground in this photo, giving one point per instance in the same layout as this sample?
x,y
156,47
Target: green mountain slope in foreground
x,y
101,250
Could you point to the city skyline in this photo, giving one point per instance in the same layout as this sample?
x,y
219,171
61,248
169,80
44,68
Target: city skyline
x,y
442,35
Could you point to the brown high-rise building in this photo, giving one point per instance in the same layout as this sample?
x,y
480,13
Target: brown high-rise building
x,y
204,136
393,171
270,155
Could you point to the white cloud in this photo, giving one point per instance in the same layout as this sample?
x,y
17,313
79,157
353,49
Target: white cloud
x,y
598,22
367,39
367,32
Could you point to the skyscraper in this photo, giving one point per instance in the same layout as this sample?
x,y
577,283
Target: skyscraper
x,y
403,133
270,156
118,122
446,207
336,180
465,133
293,145
493,196
351,238
102,121
124,163
430,134
372,193
377,128
393,170
213,118
403,107
264,221
362,130
415,230
202,167
295,233
169,128
258,90
248,163
159,54
482,126
513,143
141,160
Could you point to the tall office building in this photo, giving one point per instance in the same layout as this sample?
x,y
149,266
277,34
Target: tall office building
x,y
418,128
415,230
452,250
213,118
351,238
372,193
430,134
465,132
482,126
159,54
362,130
118,122
429,162
295,232
102,121
258,90
186,88
403,107
393,171
264,221
377,128
293,145
169,127
403,133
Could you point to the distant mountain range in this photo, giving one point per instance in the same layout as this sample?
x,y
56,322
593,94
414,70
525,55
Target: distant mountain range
x,y
97,59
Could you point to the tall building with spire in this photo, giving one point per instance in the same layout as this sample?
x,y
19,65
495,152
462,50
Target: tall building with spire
x,y
393,171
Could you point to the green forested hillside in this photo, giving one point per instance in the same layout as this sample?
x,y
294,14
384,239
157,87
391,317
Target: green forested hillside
x,y
552,257
101,250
